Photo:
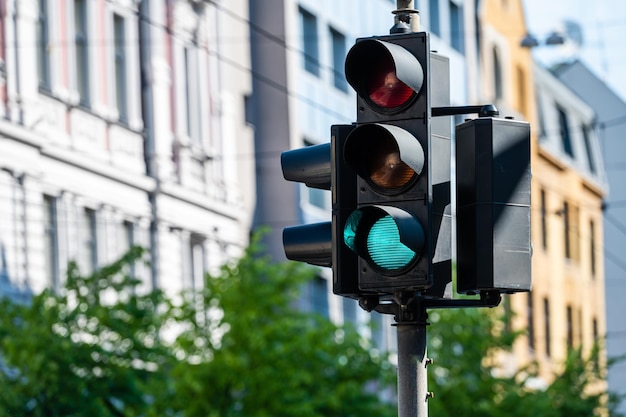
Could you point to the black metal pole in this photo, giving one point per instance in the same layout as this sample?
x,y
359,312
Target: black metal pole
x,y
412,362
411,318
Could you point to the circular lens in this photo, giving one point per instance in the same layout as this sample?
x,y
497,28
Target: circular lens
x,y
385,248
350,230
385,168
384,87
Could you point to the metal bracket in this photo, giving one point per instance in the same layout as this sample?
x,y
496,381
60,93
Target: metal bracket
x,y
485,110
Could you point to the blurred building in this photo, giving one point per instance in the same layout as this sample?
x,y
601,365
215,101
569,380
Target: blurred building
x,y
122,123
566,306
568,302
609,124
298,53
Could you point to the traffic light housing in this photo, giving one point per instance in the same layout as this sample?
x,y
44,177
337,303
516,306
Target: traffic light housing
x,y
320,244
493,205
310,243
344,201
391,229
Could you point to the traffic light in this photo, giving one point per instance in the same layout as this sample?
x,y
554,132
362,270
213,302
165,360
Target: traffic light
x,y
493,205
391,229
320,244
310,243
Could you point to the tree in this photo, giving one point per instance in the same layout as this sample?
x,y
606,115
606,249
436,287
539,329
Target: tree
x,y
75,354
273,360
464,377
101,347
240,347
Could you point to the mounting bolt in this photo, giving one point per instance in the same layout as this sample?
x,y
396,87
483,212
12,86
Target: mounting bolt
x,y
429,361
430,395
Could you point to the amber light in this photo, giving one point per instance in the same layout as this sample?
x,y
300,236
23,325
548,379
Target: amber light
x,y
385,168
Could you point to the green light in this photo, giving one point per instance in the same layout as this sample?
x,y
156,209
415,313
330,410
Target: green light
x,y
350,230
384,246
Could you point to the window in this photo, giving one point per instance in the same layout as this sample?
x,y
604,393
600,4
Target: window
x,y
310,42
566,139
566,228
570,226
119,35
339,54
192,96
350,307
580,327
588,149
521,89
570,327
51,249
530,319
544,220
433,6
128,241
196,246
546,322
43,55
81,50
378,330
319,296
542,121
596,334
497,74
592,248
188,104
457,27
90,248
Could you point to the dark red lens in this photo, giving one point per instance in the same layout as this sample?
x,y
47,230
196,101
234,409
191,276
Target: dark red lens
x,y
384,87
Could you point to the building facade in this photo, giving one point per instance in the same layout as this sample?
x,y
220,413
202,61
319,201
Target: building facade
x,y
565,308
122,124
609,122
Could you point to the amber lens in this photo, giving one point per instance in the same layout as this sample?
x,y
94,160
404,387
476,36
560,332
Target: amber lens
x,y
385,167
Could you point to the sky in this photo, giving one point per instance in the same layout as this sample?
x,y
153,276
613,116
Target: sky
x,y
603,24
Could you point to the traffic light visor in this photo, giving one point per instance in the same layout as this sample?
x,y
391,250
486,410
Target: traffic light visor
x,y
386,156
385,75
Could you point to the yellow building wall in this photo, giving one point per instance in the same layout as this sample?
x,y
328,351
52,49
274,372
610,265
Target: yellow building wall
x,y
558,282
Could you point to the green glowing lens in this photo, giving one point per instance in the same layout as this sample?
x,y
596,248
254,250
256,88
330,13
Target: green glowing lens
x,y
384,246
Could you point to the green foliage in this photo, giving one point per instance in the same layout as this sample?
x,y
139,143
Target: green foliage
x,y
101,347
239,348
463,382
466,383
272,359
74,354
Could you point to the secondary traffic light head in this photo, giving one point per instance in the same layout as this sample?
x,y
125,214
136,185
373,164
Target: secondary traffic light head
x,y
389,152
310,243
321,244
493,205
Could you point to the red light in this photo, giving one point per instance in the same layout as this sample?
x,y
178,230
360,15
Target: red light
x,y
385,89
